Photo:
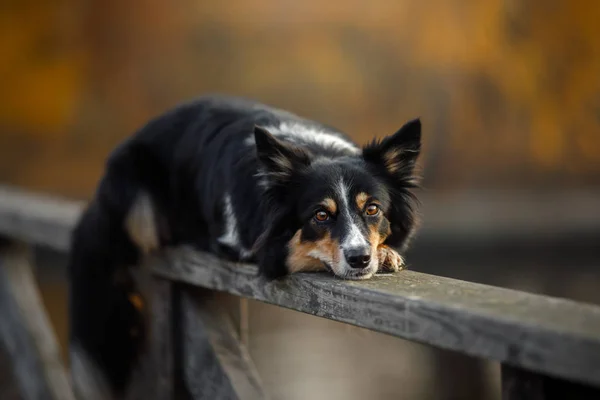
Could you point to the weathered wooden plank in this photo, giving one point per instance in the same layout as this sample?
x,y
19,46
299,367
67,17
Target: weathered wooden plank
x,y
26,332
519,384
38,219
553,336
216,364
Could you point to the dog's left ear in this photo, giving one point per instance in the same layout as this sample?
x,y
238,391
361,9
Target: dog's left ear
x,y
279,159
396,155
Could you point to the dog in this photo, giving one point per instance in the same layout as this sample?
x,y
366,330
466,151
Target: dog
x,y
247,182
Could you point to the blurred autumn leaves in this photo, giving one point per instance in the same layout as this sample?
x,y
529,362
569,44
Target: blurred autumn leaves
x,y
509,91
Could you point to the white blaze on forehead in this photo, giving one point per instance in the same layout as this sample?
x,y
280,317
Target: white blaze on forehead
x,y
302,134
354,237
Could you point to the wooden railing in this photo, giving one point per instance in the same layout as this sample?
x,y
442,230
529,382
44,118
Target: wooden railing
x,y
548,347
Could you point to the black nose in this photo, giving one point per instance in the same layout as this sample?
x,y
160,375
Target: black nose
x,y
358,257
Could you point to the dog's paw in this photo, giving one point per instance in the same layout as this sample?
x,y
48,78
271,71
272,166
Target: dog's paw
x,y
389,259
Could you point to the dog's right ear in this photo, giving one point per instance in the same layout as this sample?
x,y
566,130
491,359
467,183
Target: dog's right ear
x,y
396,155
279,159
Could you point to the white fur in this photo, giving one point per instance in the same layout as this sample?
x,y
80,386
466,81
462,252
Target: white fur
x,y
302,134
319,255
355,238
230,236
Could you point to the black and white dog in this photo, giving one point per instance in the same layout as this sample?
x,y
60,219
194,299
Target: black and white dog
x,y
244,181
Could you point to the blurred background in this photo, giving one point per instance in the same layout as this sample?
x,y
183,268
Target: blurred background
x,y
508,92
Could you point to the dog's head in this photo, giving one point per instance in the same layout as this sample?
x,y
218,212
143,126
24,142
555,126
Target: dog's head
x,y
334,213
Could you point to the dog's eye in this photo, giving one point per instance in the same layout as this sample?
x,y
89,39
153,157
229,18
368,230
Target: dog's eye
x,y
321,216
372,209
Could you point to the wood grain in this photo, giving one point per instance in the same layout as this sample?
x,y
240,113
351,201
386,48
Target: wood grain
x,y
26,333
552,336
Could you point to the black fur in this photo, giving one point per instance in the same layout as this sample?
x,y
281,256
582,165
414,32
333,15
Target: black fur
x,y
187,160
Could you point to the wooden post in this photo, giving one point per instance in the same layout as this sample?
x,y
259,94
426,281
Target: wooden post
x,y
25,330
154,376
216,365
162,347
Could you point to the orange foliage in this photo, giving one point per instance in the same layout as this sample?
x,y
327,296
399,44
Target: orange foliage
x,y
40,76
509,92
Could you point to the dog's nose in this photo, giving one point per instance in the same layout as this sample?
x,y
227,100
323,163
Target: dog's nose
x,y
358,257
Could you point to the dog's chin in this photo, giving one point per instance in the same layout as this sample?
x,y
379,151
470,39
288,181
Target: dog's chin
x,y
346,272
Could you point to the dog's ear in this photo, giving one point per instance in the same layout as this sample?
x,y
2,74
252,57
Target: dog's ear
x,y
279,159
396,155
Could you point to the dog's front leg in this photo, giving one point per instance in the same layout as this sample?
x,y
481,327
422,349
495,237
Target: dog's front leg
x,y
389,259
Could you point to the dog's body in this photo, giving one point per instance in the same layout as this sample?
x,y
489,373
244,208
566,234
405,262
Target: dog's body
x,y
244,181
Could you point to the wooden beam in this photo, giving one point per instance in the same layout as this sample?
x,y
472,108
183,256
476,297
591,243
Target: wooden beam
x,y
26,332
38,219
552,336
216,364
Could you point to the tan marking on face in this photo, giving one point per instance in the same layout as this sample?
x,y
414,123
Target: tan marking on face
x,y
387,258
361,200
303,255
387,232
376,237
330,205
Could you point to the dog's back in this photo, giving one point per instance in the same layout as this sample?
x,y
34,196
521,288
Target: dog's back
x,y
172,182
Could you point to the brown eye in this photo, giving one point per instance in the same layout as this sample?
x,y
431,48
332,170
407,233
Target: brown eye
x,y
321,216
372,209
